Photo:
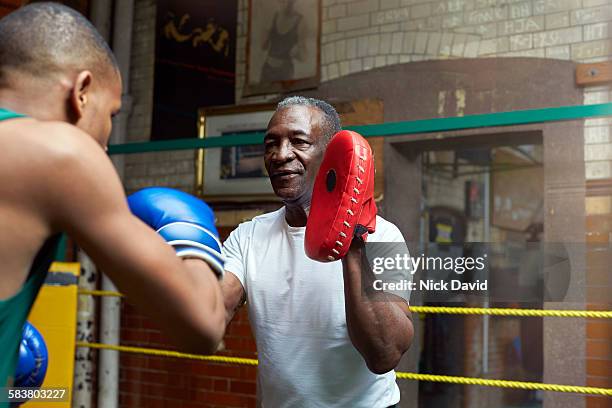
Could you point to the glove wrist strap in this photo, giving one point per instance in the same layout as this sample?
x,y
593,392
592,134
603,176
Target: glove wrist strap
x,y
213,262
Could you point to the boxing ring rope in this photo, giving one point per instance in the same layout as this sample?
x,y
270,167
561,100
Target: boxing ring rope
x,y
522,117
531,116
401,375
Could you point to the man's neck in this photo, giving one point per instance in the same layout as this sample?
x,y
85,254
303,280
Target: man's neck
x,y
296,215
35,99
32,107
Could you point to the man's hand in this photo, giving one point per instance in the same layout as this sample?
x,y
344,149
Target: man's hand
x,y
379,323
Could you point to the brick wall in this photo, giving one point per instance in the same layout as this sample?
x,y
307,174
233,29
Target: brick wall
x,y
599,283
361,35
154,382
598,143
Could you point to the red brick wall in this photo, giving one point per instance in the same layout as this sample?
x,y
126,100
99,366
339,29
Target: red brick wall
x,y
599,284
502,331
156,382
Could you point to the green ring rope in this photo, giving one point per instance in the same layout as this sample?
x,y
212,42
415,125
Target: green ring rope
x,y
522,117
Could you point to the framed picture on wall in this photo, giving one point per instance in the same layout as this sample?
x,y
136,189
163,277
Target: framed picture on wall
x,y
235,173
195,63
283,51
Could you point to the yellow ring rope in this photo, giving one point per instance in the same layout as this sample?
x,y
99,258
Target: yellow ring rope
x,y
505,383
100,293
400,375
168,353
459,310
512,312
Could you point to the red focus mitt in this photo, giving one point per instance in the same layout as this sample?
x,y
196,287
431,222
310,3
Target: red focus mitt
x,y
342,203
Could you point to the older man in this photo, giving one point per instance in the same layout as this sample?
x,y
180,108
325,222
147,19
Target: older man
x,y
322,340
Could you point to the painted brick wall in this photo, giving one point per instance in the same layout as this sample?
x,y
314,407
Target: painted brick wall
x,y
361,35
598,143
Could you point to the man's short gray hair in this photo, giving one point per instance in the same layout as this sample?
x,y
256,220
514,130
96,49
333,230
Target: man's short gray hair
x,y
331,121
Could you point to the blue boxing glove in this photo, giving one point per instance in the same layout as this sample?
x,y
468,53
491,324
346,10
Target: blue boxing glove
x,y
184,221
33,359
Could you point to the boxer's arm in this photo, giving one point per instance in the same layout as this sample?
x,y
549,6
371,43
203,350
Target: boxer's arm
x,y
379,324
234,295
85,198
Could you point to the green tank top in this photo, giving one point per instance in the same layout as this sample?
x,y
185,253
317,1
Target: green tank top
x,y
14,310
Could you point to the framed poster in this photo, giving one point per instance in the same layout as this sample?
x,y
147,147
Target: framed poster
x,y
195,62
234,173
283,46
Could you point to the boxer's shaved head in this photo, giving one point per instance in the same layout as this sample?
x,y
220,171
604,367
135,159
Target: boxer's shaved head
x,y
330,124
43,39
55,66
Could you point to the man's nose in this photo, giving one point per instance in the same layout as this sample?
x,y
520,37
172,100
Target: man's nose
x,y
284,152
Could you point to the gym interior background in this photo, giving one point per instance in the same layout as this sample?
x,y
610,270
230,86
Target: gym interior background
x,y
383,61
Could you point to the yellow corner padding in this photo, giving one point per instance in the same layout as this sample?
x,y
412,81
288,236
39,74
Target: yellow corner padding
x,y
55,315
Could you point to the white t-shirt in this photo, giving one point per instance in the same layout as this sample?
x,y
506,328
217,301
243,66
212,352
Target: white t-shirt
x,y
296,309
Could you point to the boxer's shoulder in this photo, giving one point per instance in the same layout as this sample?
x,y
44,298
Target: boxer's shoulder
x,y
48,139
58,166
46,155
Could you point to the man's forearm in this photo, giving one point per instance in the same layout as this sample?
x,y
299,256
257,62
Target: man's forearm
x,y
203,283
378,324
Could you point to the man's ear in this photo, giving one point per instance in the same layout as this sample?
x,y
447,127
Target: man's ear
x,y
79,95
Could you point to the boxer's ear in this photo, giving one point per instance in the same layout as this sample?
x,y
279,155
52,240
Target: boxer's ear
x,y
79,95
